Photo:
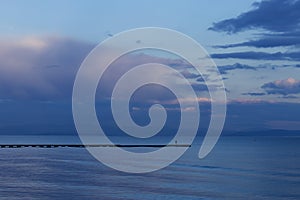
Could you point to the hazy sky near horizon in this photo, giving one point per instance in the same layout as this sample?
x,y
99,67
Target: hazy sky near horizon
x,y
255,44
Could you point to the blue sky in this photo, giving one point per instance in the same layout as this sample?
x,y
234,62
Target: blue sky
x,y
254,44
98,19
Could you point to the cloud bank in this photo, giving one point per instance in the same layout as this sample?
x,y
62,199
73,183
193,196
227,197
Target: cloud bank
x,y
39,68
44,68
283,87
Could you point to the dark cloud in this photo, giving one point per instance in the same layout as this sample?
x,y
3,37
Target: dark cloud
x,y
224,69
203,77
253,55
200,79
254,114
271,15
277,40
44,68
179,64
254,93
278,19
274,67
187,74
40,68
283,87
199,87
39,118
290,97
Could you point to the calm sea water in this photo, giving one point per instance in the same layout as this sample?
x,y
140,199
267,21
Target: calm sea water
x,y
238,168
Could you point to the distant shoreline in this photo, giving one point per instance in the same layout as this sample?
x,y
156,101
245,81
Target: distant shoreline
x,y
91,145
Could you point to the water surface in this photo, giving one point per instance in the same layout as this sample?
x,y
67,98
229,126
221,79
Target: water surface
x,y
238,168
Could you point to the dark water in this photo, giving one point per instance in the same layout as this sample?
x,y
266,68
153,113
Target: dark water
x,y
238,168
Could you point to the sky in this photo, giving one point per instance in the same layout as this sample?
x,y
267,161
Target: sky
x,y
255,44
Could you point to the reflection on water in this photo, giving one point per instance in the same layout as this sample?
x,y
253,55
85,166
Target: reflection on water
x,y
256,168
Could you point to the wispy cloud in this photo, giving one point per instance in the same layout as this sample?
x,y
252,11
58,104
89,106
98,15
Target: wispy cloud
x,y
190,75
265,41
254,93
253,55
225,68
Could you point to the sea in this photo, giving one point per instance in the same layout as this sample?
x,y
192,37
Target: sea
x,y
239,167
